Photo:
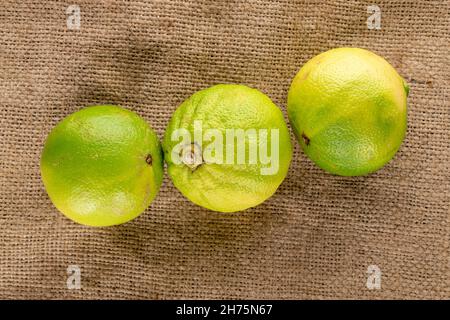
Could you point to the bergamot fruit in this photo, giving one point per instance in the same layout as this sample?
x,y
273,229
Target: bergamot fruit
x,y
227,148
102,165
347,107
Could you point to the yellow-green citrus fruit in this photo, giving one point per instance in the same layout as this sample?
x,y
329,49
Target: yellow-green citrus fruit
x,y
347,107
102,165
221,181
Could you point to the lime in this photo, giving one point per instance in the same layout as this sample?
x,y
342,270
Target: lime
x,y
227,148
102,165
347,107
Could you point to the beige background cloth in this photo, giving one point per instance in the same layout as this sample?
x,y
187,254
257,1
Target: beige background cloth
x,y
315,238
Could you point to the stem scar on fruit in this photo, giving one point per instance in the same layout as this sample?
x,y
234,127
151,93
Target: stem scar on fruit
x,y
149,159
191,156
306,140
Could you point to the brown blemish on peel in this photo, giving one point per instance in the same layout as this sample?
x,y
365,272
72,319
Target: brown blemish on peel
x,y
149,159
305,139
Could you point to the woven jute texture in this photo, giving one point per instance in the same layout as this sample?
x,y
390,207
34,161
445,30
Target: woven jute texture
x,y
315,238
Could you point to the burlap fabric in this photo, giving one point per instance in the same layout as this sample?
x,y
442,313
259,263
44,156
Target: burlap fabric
x,y
315,238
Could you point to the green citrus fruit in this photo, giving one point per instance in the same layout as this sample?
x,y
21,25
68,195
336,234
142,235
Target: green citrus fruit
x,y
102,165
347,107
218,167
